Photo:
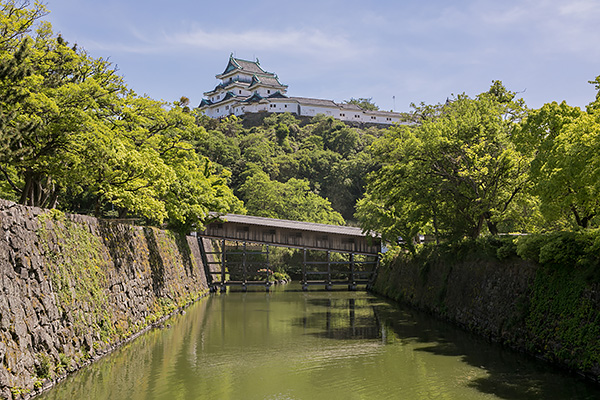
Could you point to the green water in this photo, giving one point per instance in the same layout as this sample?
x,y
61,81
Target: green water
x,y
290,344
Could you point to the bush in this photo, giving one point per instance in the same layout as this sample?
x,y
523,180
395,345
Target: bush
x,y
507,249
564,249
489,247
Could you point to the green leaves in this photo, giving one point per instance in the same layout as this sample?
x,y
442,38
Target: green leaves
x,y
72,135
566,167
485,164
291,200
454,174
333,158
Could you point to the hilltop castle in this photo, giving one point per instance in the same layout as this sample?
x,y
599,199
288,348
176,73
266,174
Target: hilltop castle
x,y
247,88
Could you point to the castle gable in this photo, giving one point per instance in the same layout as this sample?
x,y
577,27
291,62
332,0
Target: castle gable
x,y
244,66
247,88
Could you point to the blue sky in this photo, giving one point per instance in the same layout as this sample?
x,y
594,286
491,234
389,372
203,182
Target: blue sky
x,y
416,51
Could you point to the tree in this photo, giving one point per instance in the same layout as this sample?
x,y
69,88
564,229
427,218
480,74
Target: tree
x,y
455,173
364,103
565,171
13,71
400,200
291,200
74,136
17,18
144,164
47,104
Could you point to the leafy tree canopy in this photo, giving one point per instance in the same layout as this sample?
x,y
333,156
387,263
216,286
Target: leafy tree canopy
x,y
364,103
291,200
454,174
565,143
74,136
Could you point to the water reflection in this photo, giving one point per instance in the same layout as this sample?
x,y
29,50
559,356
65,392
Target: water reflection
x,y
312,345
507,375
343,319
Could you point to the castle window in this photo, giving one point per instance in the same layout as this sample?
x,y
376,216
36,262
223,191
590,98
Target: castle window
x,y
227,107
268,92
342,115
285,106
240,92
373,117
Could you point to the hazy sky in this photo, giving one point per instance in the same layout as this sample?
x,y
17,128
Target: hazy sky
x,y
417,51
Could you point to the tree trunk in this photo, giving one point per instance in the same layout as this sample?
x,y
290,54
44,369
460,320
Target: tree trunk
x,y
26,190
492,226
477,228
582,221
39,191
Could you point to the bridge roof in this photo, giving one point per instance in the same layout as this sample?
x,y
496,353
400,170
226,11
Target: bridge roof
x,y
295,225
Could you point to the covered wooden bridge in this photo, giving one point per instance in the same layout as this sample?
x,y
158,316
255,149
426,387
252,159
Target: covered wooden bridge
x,y
349,256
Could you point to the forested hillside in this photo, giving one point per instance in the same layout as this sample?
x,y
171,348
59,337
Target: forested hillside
x,y
284,169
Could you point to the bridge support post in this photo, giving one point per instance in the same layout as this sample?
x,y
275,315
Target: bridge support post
x,y
267,283
351,280
304,279
374,274
223,262
244,267
328,285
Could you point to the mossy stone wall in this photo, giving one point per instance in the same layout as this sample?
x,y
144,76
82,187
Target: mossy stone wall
x,y
75,287
551,313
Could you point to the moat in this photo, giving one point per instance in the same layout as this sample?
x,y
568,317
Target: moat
x,y
290,344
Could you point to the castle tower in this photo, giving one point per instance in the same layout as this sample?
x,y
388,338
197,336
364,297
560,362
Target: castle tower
x,y
242,82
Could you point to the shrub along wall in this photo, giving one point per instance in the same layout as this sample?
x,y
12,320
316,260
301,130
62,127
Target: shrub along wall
x,y
74,287
538,294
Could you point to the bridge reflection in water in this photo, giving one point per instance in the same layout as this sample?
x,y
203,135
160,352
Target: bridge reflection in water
x,y
241,255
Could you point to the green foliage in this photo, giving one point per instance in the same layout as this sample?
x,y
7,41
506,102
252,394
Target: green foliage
x,y
18,391
490,248
291,200
279,276
72,135
563,323
43,368
64,364
571,250
75,270
364,103
565,170
454,174
332,157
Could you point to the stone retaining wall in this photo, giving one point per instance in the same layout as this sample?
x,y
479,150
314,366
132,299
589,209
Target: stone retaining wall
x,y
550,314
74,287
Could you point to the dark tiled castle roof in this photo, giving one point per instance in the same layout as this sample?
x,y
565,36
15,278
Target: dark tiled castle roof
x,y
244,65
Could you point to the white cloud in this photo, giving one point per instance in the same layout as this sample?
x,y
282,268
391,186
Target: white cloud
x,y
582,9
312,42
